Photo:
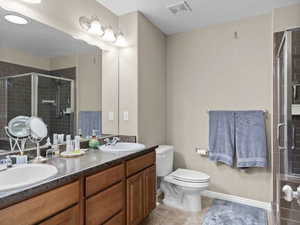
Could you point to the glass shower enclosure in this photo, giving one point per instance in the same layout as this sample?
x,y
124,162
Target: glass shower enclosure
x,y
286,160
48,97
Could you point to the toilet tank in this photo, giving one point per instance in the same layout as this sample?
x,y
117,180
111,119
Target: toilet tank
x,y
164,160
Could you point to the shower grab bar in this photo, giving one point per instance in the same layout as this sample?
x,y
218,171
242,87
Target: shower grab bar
x,y
293,137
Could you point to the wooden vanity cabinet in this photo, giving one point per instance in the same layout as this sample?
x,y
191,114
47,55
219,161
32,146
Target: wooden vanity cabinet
x,y
38,208
70,216
141,188
123,194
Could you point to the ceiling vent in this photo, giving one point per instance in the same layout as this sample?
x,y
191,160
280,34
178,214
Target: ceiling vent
x,y
178,8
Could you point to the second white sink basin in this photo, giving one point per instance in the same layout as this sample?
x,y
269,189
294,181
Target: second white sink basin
x,y
24,175
122,147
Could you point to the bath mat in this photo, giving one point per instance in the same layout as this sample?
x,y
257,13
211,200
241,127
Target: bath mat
x,y
229,213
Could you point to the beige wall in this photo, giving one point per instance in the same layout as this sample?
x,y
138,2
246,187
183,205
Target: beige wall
x,y
61,62
110,92
89,79
22,58
142,70
151,83
285,18
209,69
128,76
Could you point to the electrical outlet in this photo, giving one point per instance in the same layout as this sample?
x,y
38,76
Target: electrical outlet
x,y
125,115
111,116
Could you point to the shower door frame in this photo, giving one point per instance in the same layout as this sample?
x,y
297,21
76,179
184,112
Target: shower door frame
x,y
34,92
284,142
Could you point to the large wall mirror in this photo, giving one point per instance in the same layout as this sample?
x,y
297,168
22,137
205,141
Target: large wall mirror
x,y
47,73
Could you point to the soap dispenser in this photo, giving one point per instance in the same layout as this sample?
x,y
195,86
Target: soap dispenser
x,y
93,142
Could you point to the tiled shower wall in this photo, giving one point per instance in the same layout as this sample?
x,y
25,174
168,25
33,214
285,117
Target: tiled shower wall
x,y
19,98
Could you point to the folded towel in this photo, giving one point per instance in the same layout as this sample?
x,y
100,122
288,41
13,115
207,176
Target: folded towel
x,y
221,136
250,136
89,121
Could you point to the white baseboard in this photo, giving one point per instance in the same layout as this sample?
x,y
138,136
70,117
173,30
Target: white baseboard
x,y
263,205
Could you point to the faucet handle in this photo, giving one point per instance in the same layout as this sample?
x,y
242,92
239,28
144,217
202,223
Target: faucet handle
x,y
116,139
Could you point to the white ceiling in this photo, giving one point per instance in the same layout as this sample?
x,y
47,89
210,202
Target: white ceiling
x,y
38,39
205,12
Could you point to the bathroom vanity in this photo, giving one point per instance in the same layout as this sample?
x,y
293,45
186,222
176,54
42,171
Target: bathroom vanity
x,y
98,188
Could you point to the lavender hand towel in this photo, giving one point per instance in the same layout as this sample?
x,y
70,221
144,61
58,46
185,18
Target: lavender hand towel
x,y
89,121
221,136
251,141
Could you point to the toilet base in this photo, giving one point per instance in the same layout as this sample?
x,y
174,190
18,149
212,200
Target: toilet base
x,y
181,198
188,203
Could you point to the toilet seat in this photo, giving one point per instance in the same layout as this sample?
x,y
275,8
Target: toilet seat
x,y
190,176
188,179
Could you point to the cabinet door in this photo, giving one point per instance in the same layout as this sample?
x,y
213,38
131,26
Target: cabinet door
x,y
135,202
149,190
104,205
67,217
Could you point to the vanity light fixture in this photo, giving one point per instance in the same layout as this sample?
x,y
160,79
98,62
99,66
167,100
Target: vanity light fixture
x,y
109,35
92,25
16,19
121,41
32,1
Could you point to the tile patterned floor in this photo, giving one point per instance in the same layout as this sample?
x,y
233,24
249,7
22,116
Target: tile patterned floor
x,y
164,215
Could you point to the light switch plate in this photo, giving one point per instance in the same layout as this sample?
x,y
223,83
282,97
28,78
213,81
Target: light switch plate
x,y
111,116
125,115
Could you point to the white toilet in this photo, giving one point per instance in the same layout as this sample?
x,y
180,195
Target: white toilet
x,y
182,188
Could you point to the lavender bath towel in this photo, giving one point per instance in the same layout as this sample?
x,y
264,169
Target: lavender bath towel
x,y
221,136
250,137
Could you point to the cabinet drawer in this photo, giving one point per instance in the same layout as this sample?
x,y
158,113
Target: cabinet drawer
x,y
104,205
104,179
116,220
40,207
135,165
67,217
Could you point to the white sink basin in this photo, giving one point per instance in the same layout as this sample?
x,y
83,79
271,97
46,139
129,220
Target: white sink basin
x,y
25,175
122,147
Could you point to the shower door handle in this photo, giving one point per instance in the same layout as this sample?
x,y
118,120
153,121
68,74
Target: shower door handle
x,y
293,137
279,136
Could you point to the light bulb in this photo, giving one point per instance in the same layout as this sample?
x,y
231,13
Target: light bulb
x,y
121,40
109,35
16,19
95,28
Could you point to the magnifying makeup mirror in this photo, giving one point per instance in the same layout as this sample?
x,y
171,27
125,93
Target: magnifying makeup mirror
x,y
18,132
17,127
38,131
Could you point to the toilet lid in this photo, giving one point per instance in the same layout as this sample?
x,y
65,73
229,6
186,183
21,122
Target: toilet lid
x,y
190,176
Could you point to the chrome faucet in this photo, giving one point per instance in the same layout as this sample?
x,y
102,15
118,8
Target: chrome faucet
x,y
112,141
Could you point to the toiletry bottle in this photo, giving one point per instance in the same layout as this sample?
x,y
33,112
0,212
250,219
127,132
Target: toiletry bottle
x,y
93,142
55,146
77,144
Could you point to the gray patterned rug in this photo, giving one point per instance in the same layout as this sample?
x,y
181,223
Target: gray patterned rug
x,y
229,213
